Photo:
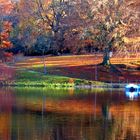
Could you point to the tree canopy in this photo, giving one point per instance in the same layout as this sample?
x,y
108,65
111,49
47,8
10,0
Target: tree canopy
x,y
64,26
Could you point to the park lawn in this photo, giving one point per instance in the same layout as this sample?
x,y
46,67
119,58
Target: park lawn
x,y
85,67
32,78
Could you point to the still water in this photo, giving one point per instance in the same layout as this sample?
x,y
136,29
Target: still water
x,y
46,114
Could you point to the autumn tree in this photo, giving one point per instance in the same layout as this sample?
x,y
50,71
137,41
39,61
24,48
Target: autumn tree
x,y
99,24
76,22
4,38
111,20
24,30
59,20
5,28
51,14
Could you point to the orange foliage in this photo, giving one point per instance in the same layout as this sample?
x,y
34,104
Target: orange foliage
x,y
6,43
6,5
4,36
87,41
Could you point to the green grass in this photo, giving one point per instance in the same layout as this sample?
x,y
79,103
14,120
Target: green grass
x,y
34,79
29,78
40,67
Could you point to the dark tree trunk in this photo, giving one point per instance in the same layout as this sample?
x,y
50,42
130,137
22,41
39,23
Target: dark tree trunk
x,y
58,37
44,62
106,57
55,45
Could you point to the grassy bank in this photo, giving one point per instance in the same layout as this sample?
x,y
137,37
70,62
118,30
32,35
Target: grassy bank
x,y
85,67
29,72
26,78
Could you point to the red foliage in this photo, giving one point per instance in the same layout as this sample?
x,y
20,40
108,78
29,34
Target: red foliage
x,y
4,36
4,41
6,54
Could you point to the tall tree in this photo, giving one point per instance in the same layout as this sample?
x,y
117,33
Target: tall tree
x,y
112,21
51,14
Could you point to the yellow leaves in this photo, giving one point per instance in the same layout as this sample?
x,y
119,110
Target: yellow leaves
x,y
131,40
116,2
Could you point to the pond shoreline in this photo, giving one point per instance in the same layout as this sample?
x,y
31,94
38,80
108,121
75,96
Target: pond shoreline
x,y
105,85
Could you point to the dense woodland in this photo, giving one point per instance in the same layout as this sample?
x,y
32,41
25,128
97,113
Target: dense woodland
x,y
40,27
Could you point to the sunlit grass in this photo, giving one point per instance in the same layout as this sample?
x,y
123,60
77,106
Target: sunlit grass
x,y
32,78
81,67
28,78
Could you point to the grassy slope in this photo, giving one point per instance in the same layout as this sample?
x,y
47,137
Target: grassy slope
x,y
71,71
85,67
31,78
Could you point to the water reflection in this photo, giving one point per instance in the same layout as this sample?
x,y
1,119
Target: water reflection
x,y
132,91
132,95
36,114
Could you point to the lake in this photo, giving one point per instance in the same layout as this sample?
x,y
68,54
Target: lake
x,y
68,114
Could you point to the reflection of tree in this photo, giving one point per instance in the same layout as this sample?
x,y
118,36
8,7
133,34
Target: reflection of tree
x,y
107,122
5,121
122,124
6,102
61,127
130,136
127,121
105,111
57,133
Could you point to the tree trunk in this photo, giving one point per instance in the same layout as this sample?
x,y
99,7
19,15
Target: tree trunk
x,y
106,58
55,45
44,62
